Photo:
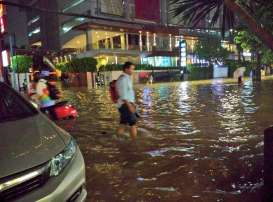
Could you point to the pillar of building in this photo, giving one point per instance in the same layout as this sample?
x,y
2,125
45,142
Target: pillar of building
x,y
154,39
50,34
111,45
123,42
148,41
140,41
170,43
127,41
164,7
126,8
89,40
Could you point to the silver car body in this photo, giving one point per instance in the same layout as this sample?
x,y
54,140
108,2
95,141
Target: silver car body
x,y
26,149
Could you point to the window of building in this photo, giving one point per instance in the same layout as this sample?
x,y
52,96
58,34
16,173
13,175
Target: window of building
x,y
105,43
73,4
67,26
33,20
133,39
117,42
35,31
112,7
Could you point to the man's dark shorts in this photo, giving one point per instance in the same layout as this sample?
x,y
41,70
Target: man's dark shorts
x,y
127,117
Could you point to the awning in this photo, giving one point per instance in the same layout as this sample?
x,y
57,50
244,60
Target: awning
x,y
127,26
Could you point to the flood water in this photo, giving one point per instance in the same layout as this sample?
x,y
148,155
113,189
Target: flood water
x,y
199,141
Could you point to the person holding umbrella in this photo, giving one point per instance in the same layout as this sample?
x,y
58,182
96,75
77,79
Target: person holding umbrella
x,y
239,74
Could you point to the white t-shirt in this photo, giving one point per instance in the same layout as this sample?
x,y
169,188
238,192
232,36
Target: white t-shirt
x,y
125,89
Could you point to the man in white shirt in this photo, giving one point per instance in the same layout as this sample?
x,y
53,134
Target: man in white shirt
x,y
126,101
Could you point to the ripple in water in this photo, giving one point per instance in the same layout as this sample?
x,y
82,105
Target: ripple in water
x,y
204,142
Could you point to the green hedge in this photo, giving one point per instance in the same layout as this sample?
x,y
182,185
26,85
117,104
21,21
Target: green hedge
x,y
21,63
118,67
79,65
196,72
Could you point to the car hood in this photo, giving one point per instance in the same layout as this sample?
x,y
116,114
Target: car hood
x,y
27,143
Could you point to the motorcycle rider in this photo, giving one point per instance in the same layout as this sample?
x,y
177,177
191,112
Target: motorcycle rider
x,y
45,101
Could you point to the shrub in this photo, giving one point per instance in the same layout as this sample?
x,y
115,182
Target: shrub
x,y
62,67
79,65
21,63
118,67
197,72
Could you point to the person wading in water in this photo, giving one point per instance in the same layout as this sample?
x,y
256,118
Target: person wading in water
x,y
126,101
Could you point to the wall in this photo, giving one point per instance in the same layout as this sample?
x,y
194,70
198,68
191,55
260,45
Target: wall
x,y
220,72
148,11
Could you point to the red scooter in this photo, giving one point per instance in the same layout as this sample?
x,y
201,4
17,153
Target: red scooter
x,y
61,110
64,110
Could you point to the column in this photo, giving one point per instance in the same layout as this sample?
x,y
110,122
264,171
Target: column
x,y
111,43
126,9
123,42
140,41
170,43
148,41
154,39
127,41
88,35
164,12
116,59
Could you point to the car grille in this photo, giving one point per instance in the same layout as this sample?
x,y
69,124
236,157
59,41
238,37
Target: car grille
x,y
23,183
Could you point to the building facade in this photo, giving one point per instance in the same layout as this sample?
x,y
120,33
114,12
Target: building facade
x,y
114,32
120,30
43,27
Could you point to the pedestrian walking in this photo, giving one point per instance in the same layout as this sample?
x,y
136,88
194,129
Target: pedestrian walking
x,y
151,79
126,101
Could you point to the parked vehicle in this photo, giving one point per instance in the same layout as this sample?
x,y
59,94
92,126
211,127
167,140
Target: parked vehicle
x,y
38,160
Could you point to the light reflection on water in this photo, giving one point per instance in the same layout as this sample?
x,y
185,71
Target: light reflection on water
x,y
198,142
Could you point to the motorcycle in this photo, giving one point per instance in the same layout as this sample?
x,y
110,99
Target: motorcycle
x,y
60,110
64,110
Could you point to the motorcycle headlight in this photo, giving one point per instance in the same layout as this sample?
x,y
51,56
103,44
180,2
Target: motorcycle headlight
x,y
59,162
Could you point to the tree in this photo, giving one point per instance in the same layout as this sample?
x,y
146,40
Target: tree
x,y
246,40
250,42
193,11
267,57
210,49
21,63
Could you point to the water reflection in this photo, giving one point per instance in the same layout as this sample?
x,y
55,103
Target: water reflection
x,y
198,142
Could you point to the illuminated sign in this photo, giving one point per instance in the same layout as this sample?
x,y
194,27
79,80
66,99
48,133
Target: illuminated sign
x,y
2,25
246,54
1,8
5,58
2,19
183,53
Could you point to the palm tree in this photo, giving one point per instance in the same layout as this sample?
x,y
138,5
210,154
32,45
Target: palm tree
x,y
224,11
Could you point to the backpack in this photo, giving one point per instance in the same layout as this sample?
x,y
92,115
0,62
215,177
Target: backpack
x,y
113,91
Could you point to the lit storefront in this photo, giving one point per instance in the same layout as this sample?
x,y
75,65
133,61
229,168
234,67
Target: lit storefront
x,y
122,41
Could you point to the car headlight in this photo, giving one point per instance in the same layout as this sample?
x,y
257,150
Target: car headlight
x,y
59,162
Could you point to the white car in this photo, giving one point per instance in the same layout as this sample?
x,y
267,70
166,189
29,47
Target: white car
x,y
38,160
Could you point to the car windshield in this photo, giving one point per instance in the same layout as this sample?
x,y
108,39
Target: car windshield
x,y
12,106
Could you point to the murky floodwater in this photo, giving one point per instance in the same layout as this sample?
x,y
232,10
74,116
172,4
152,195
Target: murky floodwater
x,y
199,141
